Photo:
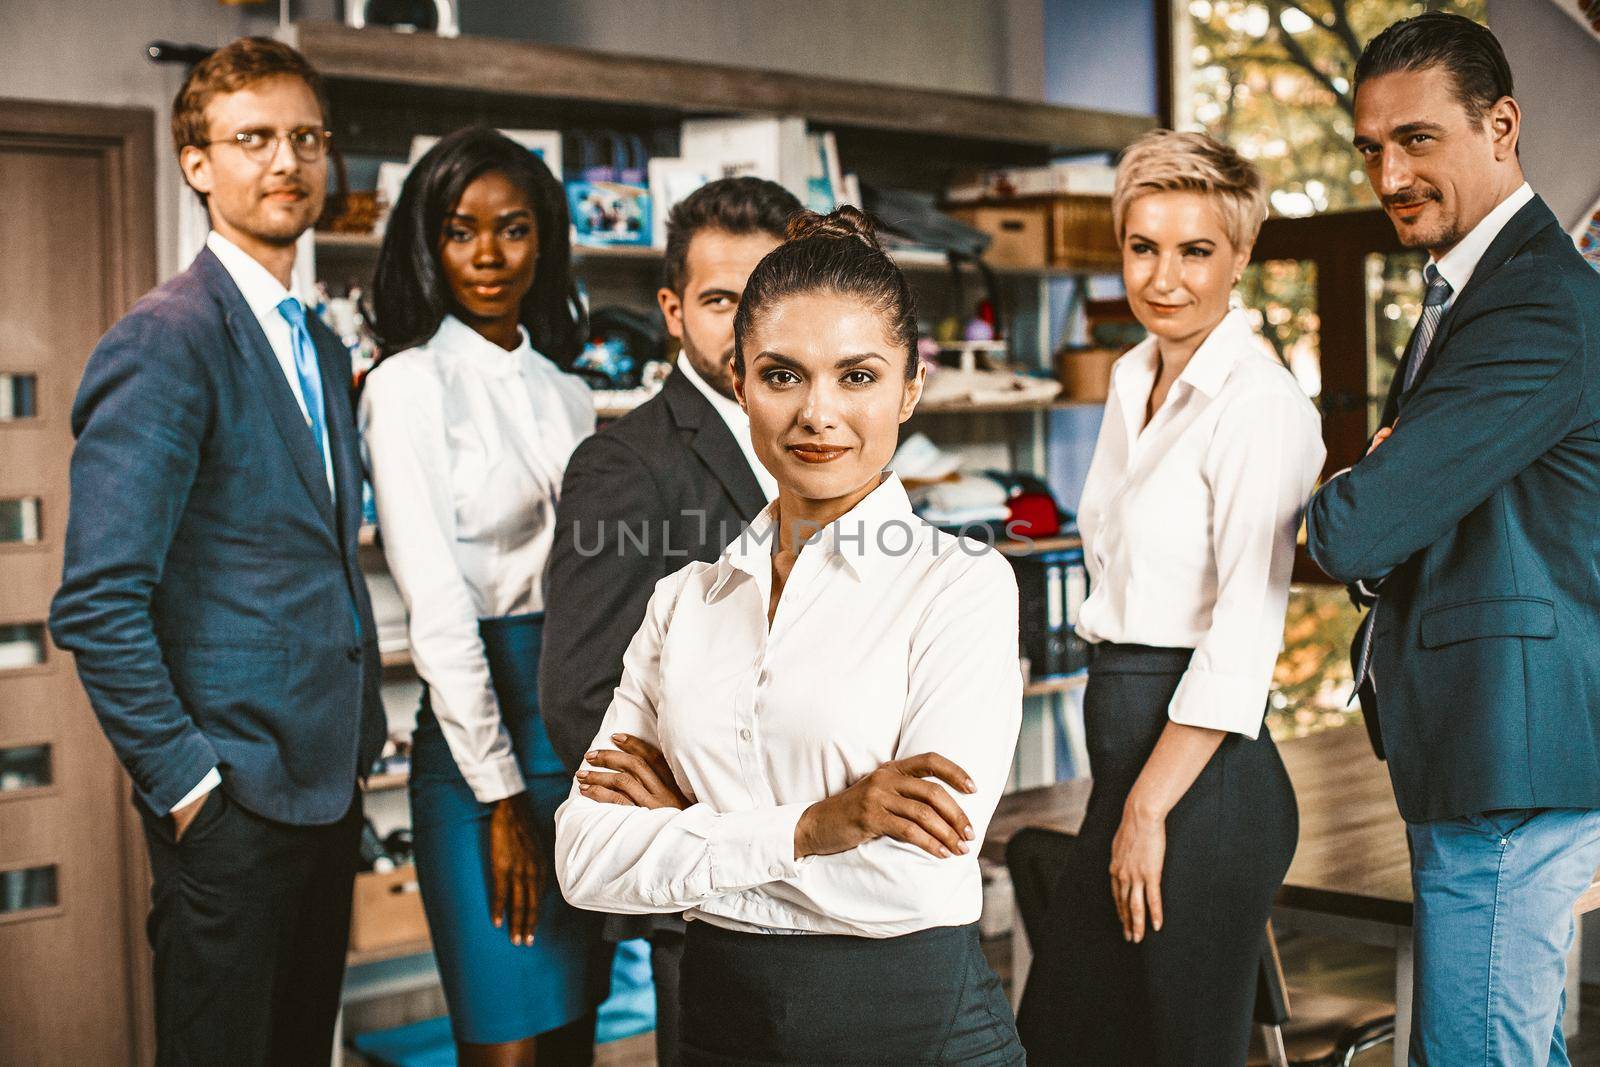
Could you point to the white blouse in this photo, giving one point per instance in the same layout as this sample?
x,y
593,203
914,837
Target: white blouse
x,y
1189,526
465,445
890,639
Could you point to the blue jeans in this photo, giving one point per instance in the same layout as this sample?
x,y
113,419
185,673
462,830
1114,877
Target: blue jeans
x,y
1494,900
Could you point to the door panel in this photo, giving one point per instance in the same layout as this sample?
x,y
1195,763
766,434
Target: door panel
x,y
72,881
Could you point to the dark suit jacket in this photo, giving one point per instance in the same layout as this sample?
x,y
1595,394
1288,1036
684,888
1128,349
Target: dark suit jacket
x,y
1481,516
661,487
211,591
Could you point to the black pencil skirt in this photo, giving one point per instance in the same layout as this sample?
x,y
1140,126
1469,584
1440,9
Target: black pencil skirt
x,y
922,998
1184,996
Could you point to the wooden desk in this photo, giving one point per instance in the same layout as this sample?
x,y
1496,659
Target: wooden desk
x,y
1351,874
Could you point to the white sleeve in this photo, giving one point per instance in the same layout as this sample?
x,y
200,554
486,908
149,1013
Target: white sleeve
x,y
404,448
629,860
212,779
1262,463
965,703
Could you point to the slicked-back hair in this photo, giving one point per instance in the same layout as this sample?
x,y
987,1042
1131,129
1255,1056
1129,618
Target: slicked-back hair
x,y
835,253
1468,51
410,296
736,206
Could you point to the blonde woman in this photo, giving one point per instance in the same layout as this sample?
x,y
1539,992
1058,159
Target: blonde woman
x,y
1206,457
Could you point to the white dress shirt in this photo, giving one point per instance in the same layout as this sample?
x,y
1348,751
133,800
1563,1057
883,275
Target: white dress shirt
x,y
1189,524
890,640
1458,265
465,445
263,293
738,425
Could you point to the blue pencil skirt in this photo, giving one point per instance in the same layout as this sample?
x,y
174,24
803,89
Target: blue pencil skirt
x,y
498,991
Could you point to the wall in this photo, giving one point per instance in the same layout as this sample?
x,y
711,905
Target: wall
x,y
990,47
1101,54
1557,67
92,52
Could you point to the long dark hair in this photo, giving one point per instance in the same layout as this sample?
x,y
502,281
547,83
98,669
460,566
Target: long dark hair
x,y
837,253
409,294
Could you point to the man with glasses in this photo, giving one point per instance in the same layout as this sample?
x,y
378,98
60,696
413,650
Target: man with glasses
x,y
211,591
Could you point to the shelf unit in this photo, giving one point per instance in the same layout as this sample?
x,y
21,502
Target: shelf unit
x,y
385,87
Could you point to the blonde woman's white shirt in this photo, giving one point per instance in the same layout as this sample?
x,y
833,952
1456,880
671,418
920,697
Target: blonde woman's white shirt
x,y
890,639
465,444
1189,524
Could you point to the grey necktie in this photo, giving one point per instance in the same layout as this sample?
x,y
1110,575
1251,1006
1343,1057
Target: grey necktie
x,y
1433,307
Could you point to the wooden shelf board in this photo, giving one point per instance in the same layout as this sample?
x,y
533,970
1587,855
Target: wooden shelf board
x,y
388,952
1046,686
1042,544
397,659
665,87
379,783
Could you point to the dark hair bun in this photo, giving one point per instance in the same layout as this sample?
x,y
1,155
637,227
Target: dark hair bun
x,y
841,224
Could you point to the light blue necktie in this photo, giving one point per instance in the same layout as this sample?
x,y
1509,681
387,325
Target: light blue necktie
x,y
308,370
1433,305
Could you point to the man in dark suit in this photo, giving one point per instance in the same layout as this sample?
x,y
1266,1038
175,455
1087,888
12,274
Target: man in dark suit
x,y
672,482
211,591
1472,524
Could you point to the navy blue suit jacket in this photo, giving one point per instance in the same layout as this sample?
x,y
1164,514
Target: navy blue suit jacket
x,y
1481,517
211,591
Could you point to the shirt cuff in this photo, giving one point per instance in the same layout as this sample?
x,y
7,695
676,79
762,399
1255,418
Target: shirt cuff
x,y
1219,702
751,848
495,780
212,779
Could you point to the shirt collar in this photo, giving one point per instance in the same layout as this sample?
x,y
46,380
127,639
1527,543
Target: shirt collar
x,y
1458,264
879,528
731,412
460,340
1209,367
256,284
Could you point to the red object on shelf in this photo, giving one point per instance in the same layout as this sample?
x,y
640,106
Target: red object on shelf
x,y
1032,515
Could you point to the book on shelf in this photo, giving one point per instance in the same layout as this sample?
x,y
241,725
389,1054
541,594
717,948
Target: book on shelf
x,y
671,179
824,179
772,148
1057,179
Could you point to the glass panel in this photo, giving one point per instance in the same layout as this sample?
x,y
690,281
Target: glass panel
x,y
19,396
1394,303
21,645
26,889
1311,682
25,767
19,521
1281,297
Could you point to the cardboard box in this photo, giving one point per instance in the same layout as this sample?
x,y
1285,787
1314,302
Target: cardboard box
x,y
387,910
1020,232
1085,373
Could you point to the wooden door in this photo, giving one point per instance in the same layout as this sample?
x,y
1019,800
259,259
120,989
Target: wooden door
x,y
76,248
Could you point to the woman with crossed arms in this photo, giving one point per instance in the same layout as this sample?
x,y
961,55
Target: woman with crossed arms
x,y
812,732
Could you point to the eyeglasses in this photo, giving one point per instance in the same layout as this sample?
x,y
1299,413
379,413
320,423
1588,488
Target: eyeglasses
x,y
310,143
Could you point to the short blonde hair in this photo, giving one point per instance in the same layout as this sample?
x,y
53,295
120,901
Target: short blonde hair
x,y
1165,161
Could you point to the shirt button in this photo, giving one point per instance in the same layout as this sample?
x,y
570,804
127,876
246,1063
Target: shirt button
x,y
775,870
744,735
